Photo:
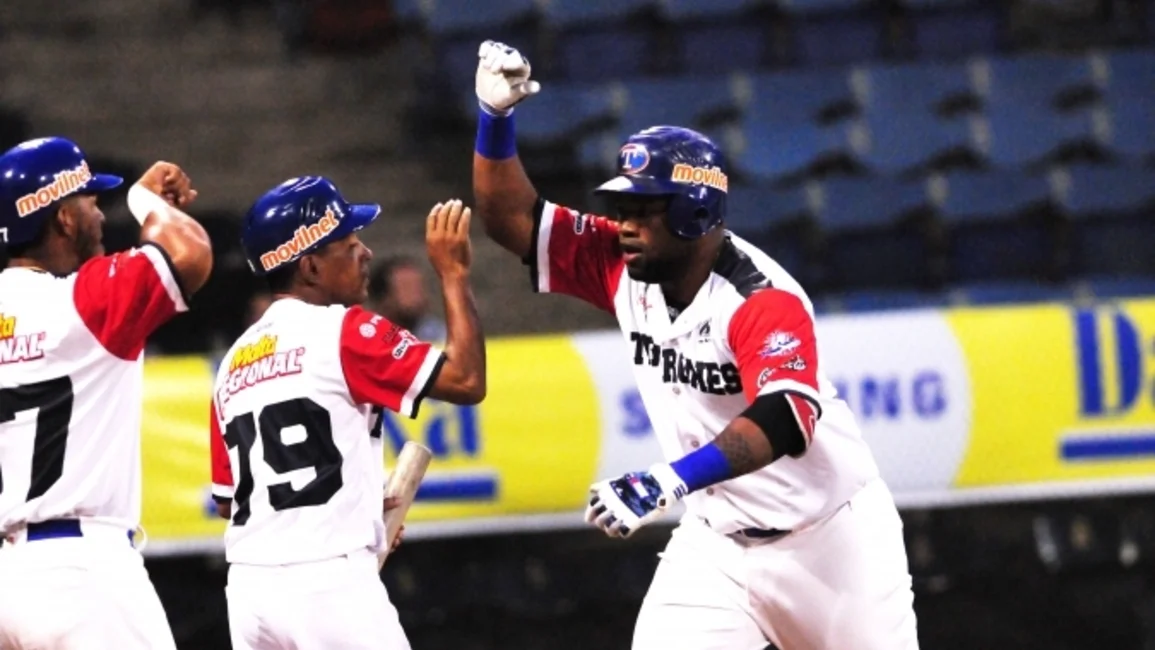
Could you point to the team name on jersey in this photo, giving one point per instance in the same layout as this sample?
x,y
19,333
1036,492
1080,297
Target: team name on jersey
x,y
18,347
705,376
257,362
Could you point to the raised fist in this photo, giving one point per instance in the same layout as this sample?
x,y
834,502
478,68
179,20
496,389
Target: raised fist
x,y
502,78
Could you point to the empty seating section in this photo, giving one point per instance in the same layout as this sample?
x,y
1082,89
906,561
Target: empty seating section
x,y
892,154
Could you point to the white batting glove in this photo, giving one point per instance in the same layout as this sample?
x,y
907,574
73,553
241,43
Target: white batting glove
x,y
622,505
502,78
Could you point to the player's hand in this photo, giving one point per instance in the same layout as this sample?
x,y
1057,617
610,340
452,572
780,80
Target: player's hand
x,y
502,78
169,182
447,239
388,504
622,505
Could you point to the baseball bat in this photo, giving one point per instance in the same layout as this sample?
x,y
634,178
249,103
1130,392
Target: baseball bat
x,y
403,483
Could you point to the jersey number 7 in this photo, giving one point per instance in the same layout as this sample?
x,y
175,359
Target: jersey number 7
x,y
52,399
316,449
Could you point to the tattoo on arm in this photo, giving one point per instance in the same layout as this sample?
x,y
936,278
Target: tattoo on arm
x,y
744,446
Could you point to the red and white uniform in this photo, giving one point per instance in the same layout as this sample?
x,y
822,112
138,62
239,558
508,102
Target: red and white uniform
x,y
71,375
293,408
748,332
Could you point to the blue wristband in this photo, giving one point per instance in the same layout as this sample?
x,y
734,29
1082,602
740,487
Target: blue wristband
x,y
495,136
703,468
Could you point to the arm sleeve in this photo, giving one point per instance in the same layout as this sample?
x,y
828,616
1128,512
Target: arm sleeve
x,y
221,467
124,297
386,365
575,254
772,337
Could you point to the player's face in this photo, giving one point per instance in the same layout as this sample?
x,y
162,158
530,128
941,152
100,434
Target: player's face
x,y
87,226
343,270
652,253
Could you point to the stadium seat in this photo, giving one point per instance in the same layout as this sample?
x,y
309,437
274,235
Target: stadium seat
x,y
771,152
1085,190
955,29
897,144
1037,81
871,300
457,16
718,48
869,235
569,13
563,111
796,96
691,10
1016,136
1131,69
605,54
1132,132
996,226
1008,292
837,38
751,208
900,90
678,101
1114,287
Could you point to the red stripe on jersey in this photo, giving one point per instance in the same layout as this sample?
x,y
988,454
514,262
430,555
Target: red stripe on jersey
x,y
123,298
772,337
582,256
805,412
222,469
382,361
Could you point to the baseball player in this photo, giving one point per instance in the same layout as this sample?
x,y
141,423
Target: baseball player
x,y
789,535
73,325
297,450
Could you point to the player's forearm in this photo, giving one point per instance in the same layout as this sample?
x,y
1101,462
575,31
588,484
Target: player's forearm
x,y
502,192
462,377
186,243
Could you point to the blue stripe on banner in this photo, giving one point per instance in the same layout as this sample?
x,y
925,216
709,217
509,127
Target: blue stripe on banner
x,y
1106,447
457,488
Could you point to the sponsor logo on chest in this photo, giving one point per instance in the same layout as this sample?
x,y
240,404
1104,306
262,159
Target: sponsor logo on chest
x,y
703,374
19,347
258,362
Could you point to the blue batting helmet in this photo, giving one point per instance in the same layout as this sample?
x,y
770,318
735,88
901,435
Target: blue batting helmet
x,y
682,164
34,177
298,217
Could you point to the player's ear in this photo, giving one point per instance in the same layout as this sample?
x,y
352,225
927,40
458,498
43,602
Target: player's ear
x,y
66,219
309,270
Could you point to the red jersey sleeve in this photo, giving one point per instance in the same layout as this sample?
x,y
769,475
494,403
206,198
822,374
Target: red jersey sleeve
x,y
124,297
386,365
221,467
576,255
772,337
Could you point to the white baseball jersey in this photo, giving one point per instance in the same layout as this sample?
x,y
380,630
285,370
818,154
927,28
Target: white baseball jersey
x,y
748,332
293,420
71,385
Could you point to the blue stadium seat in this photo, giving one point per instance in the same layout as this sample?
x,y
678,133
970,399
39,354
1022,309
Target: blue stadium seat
x,y
871,300
837,38
1132,122
1114,287
772,151
1036,81
947,30
1130,69
1008,292
678,101
912,88
901,143
457,61
870,239
605,54
752,208
563,111
568,13
689,10
717,48
995,226
796,96
1018,137
1085,190
455,16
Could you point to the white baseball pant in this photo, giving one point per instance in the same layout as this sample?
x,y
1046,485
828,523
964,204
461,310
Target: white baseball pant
x,y
338,604
842,582
79,593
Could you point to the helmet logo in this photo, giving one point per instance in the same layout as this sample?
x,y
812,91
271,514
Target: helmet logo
x,y
709,176
303,238
62,184
634,158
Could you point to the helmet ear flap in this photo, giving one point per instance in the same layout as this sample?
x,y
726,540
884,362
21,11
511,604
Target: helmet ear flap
x,y
691,214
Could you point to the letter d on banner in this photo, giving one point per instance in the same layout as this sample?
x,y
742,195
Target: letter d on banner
x,y
1109,359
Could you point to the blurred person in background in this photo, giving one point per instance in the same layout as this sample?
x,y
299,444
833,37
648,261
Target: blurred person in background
x,y
397,290
790,535
73,326
300,392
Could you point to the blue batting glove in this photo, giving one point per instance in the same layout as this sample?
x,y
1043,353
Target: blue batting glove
x,y
622,505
